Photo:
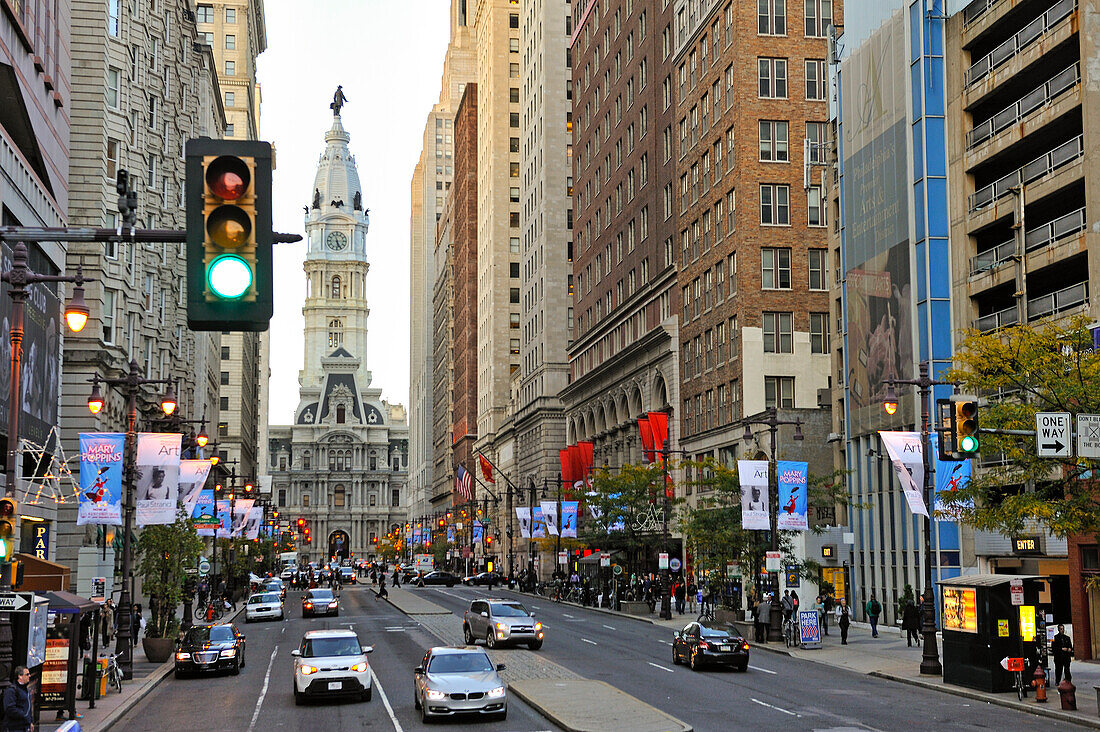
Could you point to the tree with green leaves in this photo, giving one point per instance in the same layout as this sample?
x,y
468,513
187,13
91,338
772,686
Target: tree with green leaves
x,y
163,552
1044,367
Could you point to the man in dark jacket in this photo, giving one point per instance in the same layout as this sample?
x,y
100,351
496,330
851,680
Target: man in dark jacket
x,y
1063,654
18,715
910,623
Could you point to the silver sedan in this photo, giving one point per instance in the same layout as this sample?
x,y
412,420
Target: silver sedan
x,y
454,680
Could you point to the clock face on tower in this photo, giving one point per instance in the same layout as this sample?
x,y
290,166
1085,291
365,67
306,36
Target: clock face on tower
x,y
337,241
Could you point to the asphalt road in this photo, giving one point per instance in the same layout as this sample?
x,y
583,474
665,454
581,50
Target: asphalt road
x,y
261,698
777,692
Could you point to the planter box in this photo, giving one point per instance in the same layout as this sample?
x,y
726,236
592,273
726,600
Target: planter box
x,y
634,607
158,650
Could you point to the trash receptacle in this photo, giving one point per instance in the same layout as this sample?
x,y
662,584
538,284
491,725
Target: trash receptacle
x,y
89,685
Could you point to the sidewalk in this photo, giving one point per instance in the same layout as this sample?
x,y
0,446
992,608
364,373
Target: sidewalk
x,y
111,708
889,658
570,701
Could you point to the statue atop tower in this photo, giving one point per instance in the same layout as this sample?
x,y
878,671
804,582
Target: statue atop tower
x,y
338,100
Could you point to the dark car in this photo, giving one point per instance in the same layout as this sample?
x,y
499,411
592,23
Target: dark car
x,y
210,647
485,578
710,644
438,577
320,601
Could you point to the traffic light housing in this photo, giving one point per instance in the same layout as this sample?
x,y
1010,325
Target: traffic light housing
x,y
301,524
229,238
966,427
7,528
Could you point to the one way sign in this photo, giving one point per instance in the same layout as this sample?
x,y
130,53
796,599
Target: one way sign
x,y
1052,434
15,602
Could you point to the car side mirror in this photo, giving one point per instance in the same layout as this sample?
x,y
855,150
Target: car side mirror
x,y
368,649
418,670
484,614
501,667
296,653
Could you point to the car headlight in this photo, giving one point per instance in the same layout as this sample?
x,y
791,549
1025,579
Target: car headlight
x,y
434,694
360,667
182,656
229,653
497,692
307,670
538,626
309,605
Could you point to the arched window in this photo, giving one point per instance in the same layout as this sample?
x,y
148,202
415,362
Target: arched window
x,y
340,414
335,333
336,286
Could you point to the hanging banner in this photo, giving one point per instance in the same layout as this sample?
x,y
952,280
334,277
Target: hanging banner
x,y
241,507
225,519
907,456
193,475
450,535
205,513
101,456
792,477
253,522
569,519
951,475
157,477
754,494
416,535
479,532
538,523
550,514
524,515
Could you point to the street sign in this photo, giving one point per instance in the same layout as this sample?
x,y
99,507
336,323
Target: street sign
x,y
1016,588
563,557
1052,434
662,560
771,561
1012,664
674,564
605,559
617,569
16,602
204,566
1088,435
190,571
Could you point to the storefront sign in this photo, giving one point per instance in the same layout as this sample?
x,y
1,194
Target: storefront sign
x,y
793,578
41,534
1026,545
1027,622
99,587
55,674
835,577
1002,628
960,609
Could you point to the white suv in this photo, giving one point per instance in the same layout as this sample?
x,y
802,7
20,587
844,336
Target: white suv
x,y
331,663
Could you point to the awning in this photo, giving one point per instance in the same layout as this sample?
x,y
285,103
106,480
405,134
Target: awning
x,y
66,602
988,580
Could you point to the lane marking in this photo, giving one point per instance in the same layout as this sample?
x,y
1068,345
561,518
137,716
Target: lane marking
x,y
588,641
263,691
667,643
663,668
609,627
567,615
778,709
385,700
757,668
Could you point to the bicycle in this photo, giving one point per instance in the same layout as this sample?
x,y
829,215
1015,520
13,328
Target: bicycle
x,y
791,632
707,613
114,672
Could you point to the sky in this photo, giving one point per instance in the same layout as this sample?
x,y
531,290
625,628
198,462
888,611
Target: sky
x,y
388,55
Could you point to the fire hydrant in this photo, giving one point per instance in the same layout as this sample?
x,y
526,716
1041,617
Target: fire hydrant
x,y
1040,684
1068,692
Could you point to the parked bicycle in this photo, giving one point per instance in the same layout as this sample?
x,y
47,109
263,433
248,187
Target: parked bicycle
x,y
114,672
791,632
707,613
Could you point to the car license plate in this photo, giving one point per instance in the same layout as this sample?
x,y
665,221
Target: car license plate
x,y
723,648
334,685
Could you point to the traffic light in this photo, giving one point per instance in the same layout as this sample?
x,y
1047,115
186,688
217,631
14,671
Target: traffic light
x,y
489,540
7,528
301,524
966,426
442,523
248,488
228,187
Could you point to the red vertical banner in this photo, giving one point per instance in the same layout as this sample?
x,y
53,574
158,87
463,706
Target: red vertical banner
x,y
566,466
576,459
647,439
586,449
658,423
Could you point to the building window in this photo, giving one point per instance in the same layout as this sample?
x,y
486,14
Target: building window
x,y
817,269
282,498
513,295
773,78
112,158
771,17
819,16
775,204
230,42
229,130
778,333
513,346
305,500
819,332
513,71
335,333
373,499
113,75
816,83
773,141
341,414
231,15
230,99
775,268
225,353
205,14
112,17
336,286
815,133
779,392
223,402
513,45
230,68
338,496
815,206
224,378
223,429
395,499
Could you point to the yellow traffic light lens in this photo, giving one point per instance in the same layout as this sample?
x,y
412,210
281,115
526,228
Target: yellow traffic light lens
x,y
229,277
228,177
229,227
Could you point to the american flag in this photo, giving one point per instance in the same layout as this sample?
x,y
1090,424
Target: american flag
x,y
464,482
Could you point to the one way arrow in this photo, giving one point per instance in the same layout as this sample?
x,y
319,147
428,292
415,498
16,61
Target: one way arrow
x,y
1057,446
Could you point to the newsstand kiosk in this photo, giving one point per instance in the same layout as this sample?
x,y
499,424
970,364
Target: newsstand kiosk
x,y
986,618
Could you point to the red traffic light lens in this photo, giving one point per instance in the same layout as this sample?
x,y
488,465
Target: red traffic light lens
x,y
228,226
228,177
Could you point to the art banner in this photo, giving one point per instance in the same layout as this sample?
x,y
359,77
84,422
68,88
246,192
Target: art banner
x,y
479,532
754,494
157,477
793,477
253,522
524,515
595,510
951,475
193,475
100,499
907,455
450,535
205,513
538,523
225,518
569,519
550,513
241,507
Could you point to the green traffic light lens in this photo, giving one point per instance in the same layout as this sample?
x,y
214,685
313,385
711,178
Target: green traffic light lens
x,y
229,277
969,443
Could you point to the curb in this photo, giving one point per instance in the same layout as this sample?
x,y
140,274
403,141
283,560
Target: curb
x,y
605,611
550,715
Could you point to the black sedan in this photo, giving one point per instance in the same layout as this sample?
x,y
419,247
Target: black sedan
x,y
485,578
710,644
320,601
438,577
213,647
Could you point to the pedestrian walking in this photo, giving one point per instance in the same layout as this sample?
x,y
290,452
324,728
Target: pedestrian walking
x,y
107,621
1063,654
691,591
765,615
819,607
910,623
396,577
873,608
680,591
18,715
788,606
843,620
382,593
137,623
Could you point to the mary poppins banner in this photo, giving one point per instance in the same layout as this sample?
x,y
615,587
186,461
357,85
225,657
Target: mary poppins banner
x,y
157,477
193,475
100,499
793,478
204,514
569,519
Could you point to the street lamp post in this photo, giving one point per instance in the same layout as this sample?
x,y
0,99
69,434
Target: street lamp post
x,y
666,599
930,661
19,278
129,385
773,422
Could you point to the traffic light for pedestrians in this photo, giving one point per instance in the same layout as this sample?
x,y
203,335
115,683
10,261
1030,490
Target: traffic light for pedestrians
x,y
228,199
7,528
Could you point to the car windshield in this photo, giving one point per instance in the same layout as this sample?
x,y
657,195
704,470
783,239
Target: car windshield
x,y
718,631
320,595
510,610
259,599
459,663
316,647
276,585
217,634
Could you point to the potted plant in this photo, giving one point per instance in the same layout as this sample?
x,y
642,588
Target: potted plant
x,y
164,551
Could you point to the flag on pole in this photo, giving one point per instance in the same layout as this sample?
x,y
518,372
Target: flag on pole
x,y
486,468
465,484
